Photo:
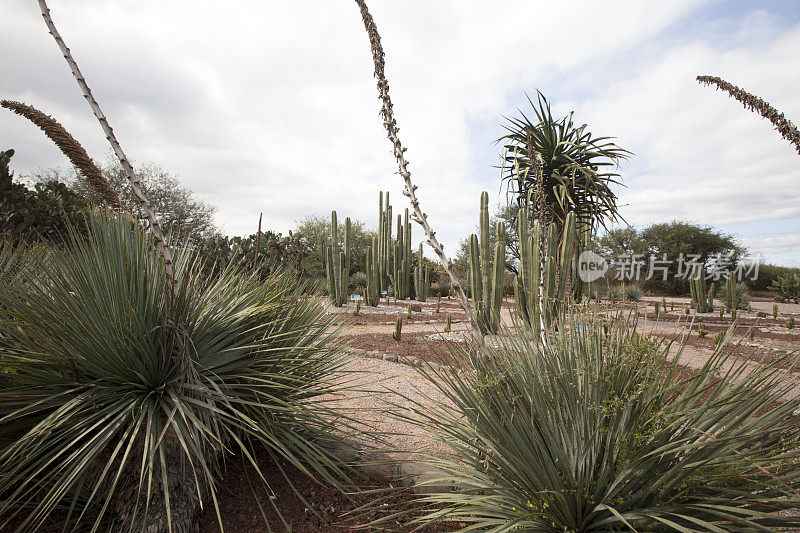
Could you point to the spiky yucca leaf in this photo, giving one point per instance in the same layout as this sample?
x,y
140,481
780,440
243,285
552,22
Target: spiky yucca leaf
x,y
752,102
113,412
594,430
69,147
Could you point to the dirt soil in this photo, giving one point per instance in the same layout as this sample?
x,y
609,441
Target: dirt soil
x,y
325,509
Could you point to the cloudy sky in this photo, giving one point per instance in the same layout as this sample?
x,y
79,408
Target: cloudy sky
x,y
271,106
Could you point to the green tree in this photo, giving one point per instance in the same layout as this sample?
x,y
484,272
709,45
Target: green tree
x,y
176,205
674,240
576,167
315,230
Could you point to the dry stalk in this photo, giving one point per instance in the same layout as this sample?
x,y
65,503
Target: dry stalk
x,y
753,103
390,125
69,147
127,168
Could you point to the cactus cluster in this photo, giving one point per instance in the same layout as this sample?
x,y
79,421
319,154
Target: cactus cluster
x,y
485,278
372,294
421,278
545,270
702,298
384,242
402,258
337,262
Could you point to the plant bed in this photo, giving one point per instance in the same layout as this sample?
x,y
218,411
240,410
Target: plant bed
x,y
242,493
417,345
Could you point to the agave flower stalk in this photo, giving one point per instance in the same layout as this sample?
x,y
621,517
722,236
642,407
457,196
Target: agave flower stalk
x,y
752,102
390,125
69,147
127,168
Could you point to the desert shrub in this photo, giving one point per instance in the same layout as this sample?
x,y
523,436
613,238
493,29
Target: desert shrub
x,y
787,286
358,282
41,213
441,289
741,298
125,395
591,429
632,293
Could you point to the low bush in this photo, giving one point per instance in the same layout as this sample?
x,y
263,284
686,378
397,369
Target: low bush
x,y
632,293
592,429
124,398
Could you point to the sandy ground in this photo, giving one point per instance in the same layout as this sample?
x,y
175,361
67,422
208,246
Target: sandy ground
x,y
400,384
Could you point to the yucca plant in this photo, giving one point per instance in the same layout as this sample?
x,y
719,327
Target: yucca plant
x,y
123,400
594,430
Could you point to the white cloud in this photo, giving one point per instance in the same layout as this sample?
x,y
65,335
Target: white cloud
x,y
272,107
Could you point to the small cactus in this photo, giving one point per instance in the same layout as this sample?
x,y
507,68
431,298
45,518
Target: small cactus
x,y
409,311
438,303
775,311
790,323
448,322
664,303
398,329
721,311
657,309
672,306
717,338
357,310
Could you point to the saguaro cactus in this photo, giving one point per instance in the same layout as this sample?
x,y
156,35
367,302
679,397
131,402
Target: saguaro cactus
x,y
337,260
421,278
486,282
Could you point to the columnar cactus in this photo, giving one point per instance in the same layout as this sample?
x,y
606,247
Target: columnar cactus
x,y
539,290
373,293
448,323
421,278
702,297
398,328
487,287
384,241
337,259
775,311
730,293
402,258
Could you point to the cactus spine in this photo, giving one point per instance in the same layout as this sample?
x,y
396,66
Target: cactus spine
x,y
337,259
421,278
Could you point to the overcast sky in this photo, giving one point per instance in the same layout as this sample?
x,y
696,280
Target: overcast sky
x,y
271,106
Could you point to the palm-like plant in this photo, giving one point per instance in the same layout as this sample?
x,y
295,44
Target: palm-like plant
x,y
123,399
594,430
575,167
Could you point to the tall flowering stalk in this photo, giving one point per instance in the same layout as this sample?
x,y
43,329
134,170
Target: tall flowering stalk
x,y
127,168
753,103
70,147
390,125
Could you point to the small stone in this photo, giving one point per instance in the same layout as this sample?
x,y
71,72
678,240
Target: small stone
x,y
416,307
392,358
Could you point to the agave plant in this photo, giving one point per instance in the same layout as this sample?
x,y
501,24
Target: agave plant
x,y
123,400
594,430
575,166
